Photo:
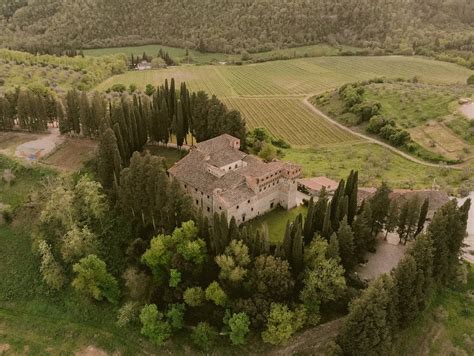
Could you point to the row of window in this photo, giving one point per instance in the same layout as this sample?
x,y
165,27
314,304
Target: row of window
x,y
268,186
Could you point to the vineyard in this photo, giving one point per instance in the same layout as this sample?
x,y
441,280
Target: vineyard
x,y
271,94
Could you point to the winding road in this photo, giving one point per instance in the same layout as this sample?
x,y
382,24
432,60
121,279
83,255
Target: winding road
x,y
373,140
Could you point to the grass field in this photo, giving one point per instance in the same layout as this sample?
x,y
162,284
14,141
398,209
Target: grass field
x,y
276,221
374,163
179,54
270,94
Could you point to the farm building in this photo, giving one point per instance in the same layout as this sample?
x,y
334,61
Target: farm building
x,y
222,179
143,65
313,186
436,198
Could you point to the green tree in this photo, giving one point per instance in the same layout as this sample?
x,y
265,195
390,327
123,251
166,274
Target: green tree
x,y
405,276
108,160
94,281
239,328
194,296
367,328
79,243
216,294
204,336
280,325
345,238
154,325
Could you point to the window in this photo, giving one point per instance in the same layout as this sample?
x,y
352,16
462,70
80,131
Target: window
x,y
230,168
196,189
220,208
258,180
197,202
237,207
208,209
271,205
248,201
208,197
236,165
202,193
185,186
243,217
251,209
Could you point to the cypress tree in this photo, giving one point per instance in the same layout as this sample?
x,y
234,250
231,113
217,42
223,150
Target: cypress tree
x,y
108,162
297,254
287,243
326,229
367,329
333,250
405,276
73,110
422,217
308,230
346,246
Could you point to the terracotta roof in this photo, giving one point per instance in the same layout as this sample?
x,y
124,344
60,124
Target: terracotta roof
x,y
437,198
194,169
317,183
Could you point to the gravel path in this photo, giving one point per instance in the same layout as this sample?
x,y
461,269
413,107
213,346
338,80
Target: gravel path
x,y
37,149
387,256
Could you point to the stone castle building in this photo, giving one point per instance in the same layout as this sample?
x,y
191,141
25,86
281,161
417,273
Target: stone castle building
x,y
222,179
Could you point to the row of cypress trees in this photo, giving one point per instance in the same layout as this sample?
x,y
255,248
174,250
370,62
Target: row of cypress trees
x,y
29,110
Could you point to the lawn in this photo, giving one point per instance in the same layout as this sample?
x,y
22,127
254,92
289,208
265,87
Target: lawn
x,y
374,163
449,335
276,221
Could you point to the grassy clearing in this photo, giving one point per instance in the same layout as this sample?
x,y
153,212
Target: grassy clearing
x,y
276,221
252,88
27,181
374,163
171,155
453,335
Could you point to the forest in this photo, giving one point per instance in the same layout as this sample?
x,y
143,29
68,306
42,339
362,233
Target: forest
x,y
425,27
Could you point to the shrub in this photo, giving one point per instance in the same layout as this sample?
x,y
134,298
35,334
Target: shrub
x,y
470,80
127,314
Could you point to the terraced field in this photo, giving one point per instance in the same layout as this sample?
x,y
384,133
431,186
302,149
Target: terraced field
x,y
271,94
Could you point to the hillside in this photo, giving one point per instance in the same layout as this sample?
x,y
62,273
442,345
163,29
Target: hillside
x,y
421,118
405,27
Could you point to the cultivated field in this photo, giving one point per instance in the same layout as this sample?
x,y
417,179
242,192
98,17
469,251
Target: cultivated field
x,y
72,154
270,94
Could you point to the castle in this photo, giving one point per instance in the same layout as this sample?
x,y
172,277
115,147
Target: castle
x,y
222,179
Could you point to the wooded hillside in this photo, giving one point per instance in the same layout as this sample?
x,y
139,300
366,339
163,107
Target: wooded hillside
x,y
231,26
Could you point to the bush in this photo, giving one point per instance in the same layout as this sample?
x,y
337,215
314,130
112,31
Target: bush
x,y
470,80
204,336
127,314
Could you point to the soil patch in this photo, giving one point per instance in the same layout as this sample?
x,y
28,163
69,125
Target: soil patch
x,y
72,154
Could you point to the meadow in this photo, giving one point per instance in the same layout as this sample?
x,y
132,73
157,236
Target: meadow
x,y
271,94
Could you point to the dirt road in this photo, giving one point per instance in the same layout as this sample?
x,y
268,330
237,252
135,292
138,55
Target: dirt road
x,y
373,140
